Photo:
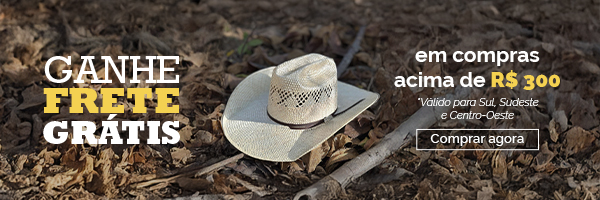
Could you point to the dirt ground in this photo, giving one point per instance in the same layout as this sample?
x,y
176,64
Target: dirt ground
x,y
222,41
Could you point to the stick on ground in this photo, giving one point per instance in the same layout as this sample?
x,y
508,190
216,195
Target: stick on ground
x,y
194,173
351,51
329,186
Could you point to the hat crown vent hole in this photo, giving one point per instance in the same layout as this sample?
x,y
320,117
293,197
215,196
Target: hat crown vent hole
x,y
286,98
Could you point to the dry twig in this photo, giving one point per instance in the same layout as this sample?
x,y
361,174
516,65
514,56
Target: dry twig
x,y
191,172
351,51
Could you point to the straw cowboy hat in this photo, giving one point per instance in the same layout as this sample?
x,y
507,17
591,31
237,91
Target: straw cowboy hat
x,y
281,113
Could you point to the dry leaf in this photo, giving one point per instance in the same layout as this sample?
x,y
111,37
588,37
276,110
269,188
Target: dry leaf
x,y
339,156
500,168
542,162
337,142
222,184
426,190
291,167
525,158
375,136
18,181
553,128
103,181
595,158
58,182
205,137
32,96
185,133
231,81
457,165
181,155
561,118
364,57
577,139
486,193
360,125
197,58
315,157
237,68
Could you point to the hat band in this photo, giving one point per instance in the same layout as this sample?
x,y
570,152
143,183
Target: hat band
x,y
315,123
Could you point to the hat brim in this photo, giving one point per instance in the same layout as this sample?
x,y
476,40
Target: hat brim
x,y
248,127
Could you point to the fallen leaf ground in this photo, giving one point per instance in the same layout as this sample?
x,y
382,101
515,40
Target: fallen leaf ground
x,y
222,41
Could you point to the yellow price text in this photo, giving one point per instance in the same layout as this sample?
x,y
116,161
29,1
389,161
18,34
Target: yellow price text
x,y
531,81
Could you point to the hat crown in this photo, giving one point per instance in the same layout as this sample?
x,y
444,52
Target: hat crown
x,y
303,90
